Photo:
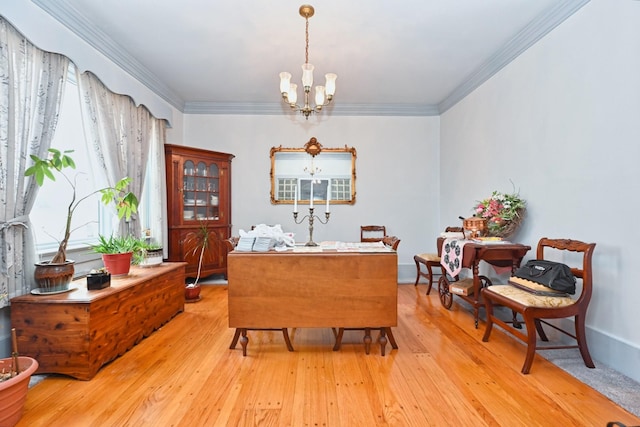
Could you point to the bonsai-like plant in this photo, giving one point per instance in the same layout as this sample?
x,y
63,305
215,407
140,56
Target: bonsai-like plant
x,y
147,249
126,202
196,244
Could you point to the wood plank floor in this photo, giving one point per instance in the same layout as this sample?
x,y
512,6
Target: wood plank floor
x,y
442,375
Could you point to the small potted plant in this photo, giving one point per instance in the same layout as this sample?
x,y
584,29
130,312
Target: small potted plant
x,y
118,252
150,254
98,279
197,243
55,275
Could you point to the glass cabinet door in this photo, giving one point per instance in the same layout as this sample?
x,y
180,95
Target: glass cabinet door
x,y
201,187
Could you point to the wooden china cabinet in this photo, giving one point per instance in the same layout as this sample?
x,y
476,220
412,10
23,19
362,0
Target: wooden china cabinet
x,y
198,195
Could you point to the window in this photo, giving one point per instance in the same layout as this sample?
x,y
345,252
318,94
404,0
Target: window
x,y
91,218
52,201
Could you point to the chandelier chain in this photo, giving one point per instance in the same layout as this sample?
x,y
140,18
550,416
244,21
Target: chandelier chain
x,y
306,49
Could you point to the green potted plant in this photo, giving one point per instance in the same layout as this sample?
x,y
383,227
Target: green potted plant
x,y
150,254
55,275
118,252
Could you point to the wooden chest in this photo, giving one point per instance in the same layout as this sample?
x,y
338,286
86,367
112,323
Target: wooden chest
x,y
77,332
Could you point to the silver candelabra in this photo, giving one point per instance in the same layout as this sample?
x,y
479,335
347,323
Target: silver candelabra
x,y
311,217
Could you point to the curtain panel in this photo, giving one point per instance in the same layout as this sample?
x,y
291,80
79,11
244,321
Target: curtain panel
x,y
31,87
124,136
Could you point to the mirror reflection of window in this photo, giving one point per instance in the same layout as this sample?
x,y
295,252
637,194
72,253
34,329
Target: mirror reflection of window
x,y
320,187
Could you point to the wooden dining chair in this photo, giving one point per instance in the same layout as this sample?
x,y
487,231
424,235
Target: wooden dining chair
x,y
372,233
240,334
385,333
537,309
391,242
430,260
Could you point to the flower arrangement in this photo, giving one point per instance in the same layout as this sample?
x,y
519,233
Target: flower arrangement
x,y
503,213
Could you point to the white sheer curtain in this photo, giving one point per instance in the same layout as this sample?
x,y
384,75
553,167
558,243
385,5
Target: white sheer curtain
x,y
123,136
156,204
31,87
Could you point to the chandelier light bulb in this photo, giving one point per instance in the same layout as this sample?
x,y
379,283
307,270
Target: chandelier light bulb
x,y
307,76
293,95
319,96
285,83
330,85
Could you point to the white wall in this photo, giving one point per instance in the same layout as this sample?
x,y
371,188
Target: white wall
x,y
561,122
396,173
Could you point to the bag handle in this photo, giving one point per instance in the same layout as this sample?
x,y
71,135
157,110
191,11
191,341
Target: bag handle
x,y
536,271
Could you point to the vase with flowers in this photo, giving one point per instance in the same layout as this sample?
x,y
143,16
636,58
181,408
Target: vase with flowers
x,y
503,212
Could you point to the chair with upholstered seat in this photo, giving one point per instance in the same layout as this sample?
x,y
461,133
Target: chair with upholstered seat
x,y
241,333
537,309
431,260
391,242
372,233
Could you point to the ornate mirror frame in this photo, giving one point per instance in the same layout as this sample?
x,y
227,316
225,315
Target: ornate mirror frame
x,y
332,171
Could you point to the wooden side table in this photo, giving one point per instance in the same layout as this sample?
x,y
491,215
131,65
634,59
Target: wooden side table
x,y
496,254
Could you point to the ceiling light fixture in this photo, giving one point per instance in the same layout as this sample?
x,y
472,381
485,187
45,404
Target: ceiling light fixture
x,y
289,90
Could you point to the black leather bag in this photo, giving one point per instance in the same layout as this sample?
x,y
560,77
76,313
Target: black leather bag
x,y
551,274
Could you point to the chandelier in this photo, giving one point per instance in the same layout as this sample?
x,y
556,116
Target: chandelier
x,y
324,94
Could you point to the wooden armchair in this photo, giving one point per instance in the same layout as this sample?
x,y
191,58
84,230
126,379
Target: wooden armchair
x,y
372,233
535,309
430,260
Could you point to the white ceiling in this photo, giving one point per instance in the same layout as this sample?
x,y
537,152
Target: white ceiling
x,y
409,57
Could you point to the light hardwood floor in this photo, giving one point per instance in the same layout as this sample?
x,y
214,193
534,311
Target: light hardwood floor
x,y
442,375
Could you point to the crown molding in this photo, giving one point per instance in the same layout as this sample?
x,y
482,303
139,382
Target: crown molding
x,y
273,108
527,37
70,17
80,25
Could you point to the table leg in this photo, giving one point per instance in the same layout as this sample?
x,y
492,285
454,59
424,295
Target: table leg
x,y
234,341
285,332
244,340
392,339
367,340
382,340
338,336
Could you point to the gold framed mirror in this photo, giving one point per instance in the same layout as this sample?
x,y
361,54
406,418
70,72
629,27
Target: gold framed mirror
x,y
326,174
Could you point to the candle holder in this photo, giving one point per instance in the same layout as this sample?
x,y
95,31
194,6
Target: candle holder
x,y
311,217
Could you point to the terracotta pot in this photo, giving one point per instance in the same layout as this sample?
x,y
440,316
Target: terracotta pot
x,y
117,264
51,277
192,293
13,392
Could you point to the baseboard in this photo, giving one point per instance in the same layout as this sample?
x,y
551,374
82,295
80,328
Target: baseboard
x,y
407,273
617,354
